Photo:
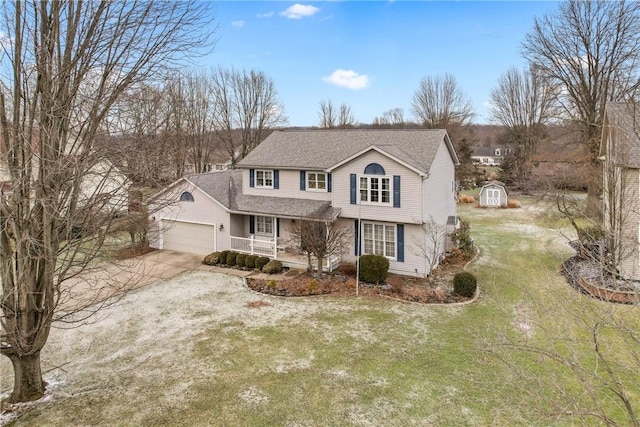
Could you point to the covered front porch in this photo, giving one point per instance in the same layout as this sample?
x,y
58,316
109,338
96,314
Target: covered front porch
x,y
269,236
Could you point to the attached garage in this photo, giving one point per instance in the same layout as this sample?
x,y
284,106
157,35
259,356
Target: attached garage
x,y
188,237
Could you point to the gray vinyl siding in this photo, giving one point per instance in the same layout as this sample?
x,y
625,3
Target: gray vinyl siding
x,y
202,210
413,265
438,191
289,181
630,262
409,210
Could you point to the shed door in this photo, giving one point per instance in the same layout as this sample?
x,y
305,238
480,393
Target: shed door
x,y
188,237
493,197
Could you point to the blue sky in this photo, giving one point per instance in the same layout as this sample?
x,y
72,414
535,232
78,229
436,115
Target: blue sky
x,y
371,55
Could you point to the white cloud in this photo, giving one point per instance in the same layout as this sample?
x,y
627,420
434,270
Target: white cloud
x,y
299,11
238,24
265,15
348,79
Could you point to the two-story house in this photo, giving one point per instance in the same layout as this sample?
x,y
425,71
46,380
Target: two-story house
x,y
383,184
620,153
489,156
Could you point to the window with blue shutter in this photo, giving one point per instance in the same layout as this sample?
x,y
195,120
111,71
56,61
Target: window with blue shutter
x,y
303,178
252,224
277,227
329,182
396,191
276,179
353,188
252,178
400,240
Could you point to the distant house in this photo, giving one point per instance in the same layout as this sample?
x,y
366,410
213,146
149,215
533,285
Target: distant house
x,y
489,156
384,185
493,195
620,153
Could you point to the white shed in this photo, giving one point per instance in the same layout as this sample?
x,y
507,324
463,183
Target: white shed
x,y
493,195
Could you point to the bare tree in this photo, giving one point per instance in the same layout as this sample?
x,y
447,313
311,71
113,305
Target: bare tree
x,y
320,239
429,243
591,49
135,139
393,118
199,120
332,117
522,103
247,109
439,103
65,68
327,114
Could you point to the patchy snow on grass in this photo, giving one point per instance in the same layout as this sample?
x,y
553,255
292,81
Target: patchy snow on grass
x,y
254,396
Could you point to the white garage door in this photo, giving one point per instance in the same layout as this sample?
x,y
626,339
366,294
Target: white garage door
x,y
188,237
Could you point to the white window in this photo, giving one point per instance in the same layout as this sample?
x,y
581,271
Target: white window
x,y
379,239
316,181
264,225
375,189
264,179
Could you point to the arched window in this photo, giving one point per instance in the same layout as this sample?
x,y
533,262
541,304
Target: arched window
x,y
186,197
376,188
374,169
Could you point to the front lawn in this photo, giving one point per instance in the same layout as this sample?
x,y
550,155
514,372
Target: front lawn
x,y
201,349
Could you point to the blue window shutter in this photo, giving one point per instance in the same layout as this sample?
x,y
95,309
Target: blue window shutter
x,y
303,180
400,242
276,179
252,177
353,188
277,227
329,182
252,224
396,191
356,244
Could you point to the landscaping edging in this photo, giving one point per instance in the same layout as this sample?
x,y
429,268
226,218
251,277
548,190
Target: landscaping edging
x,y
609,295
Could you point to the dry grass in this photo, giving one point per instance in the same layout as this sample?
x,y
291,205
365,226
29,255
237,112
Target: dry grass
x,y
258,304
464,198
513,204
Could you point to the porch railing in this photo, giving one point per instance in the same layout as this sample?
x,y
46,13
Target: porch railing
x,y
253,246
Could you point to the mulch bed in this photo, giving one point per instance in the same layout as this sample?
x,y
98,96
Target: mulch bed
x,y
437,288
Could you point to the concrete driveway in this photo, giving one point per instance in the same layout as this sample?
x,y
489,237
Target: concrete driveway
x,y
111,279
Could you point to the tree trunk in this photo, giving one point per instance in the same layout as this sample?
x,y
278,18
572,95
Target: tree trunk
x,y
28,384
320,259
594,194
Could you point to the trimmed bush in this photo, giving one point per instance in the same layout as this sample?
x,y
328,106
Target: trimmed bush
x,y
250,261
464,284
231,258
212,259
261,261
373,268
241,260
223,257
272,267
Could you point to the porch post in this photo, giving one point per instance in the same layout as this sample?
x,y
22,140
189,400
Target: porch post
x,y
251,244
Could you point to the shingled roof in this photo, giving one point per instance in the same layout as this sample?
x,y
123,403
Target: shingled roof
x,y
226,188
622,120
322,149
